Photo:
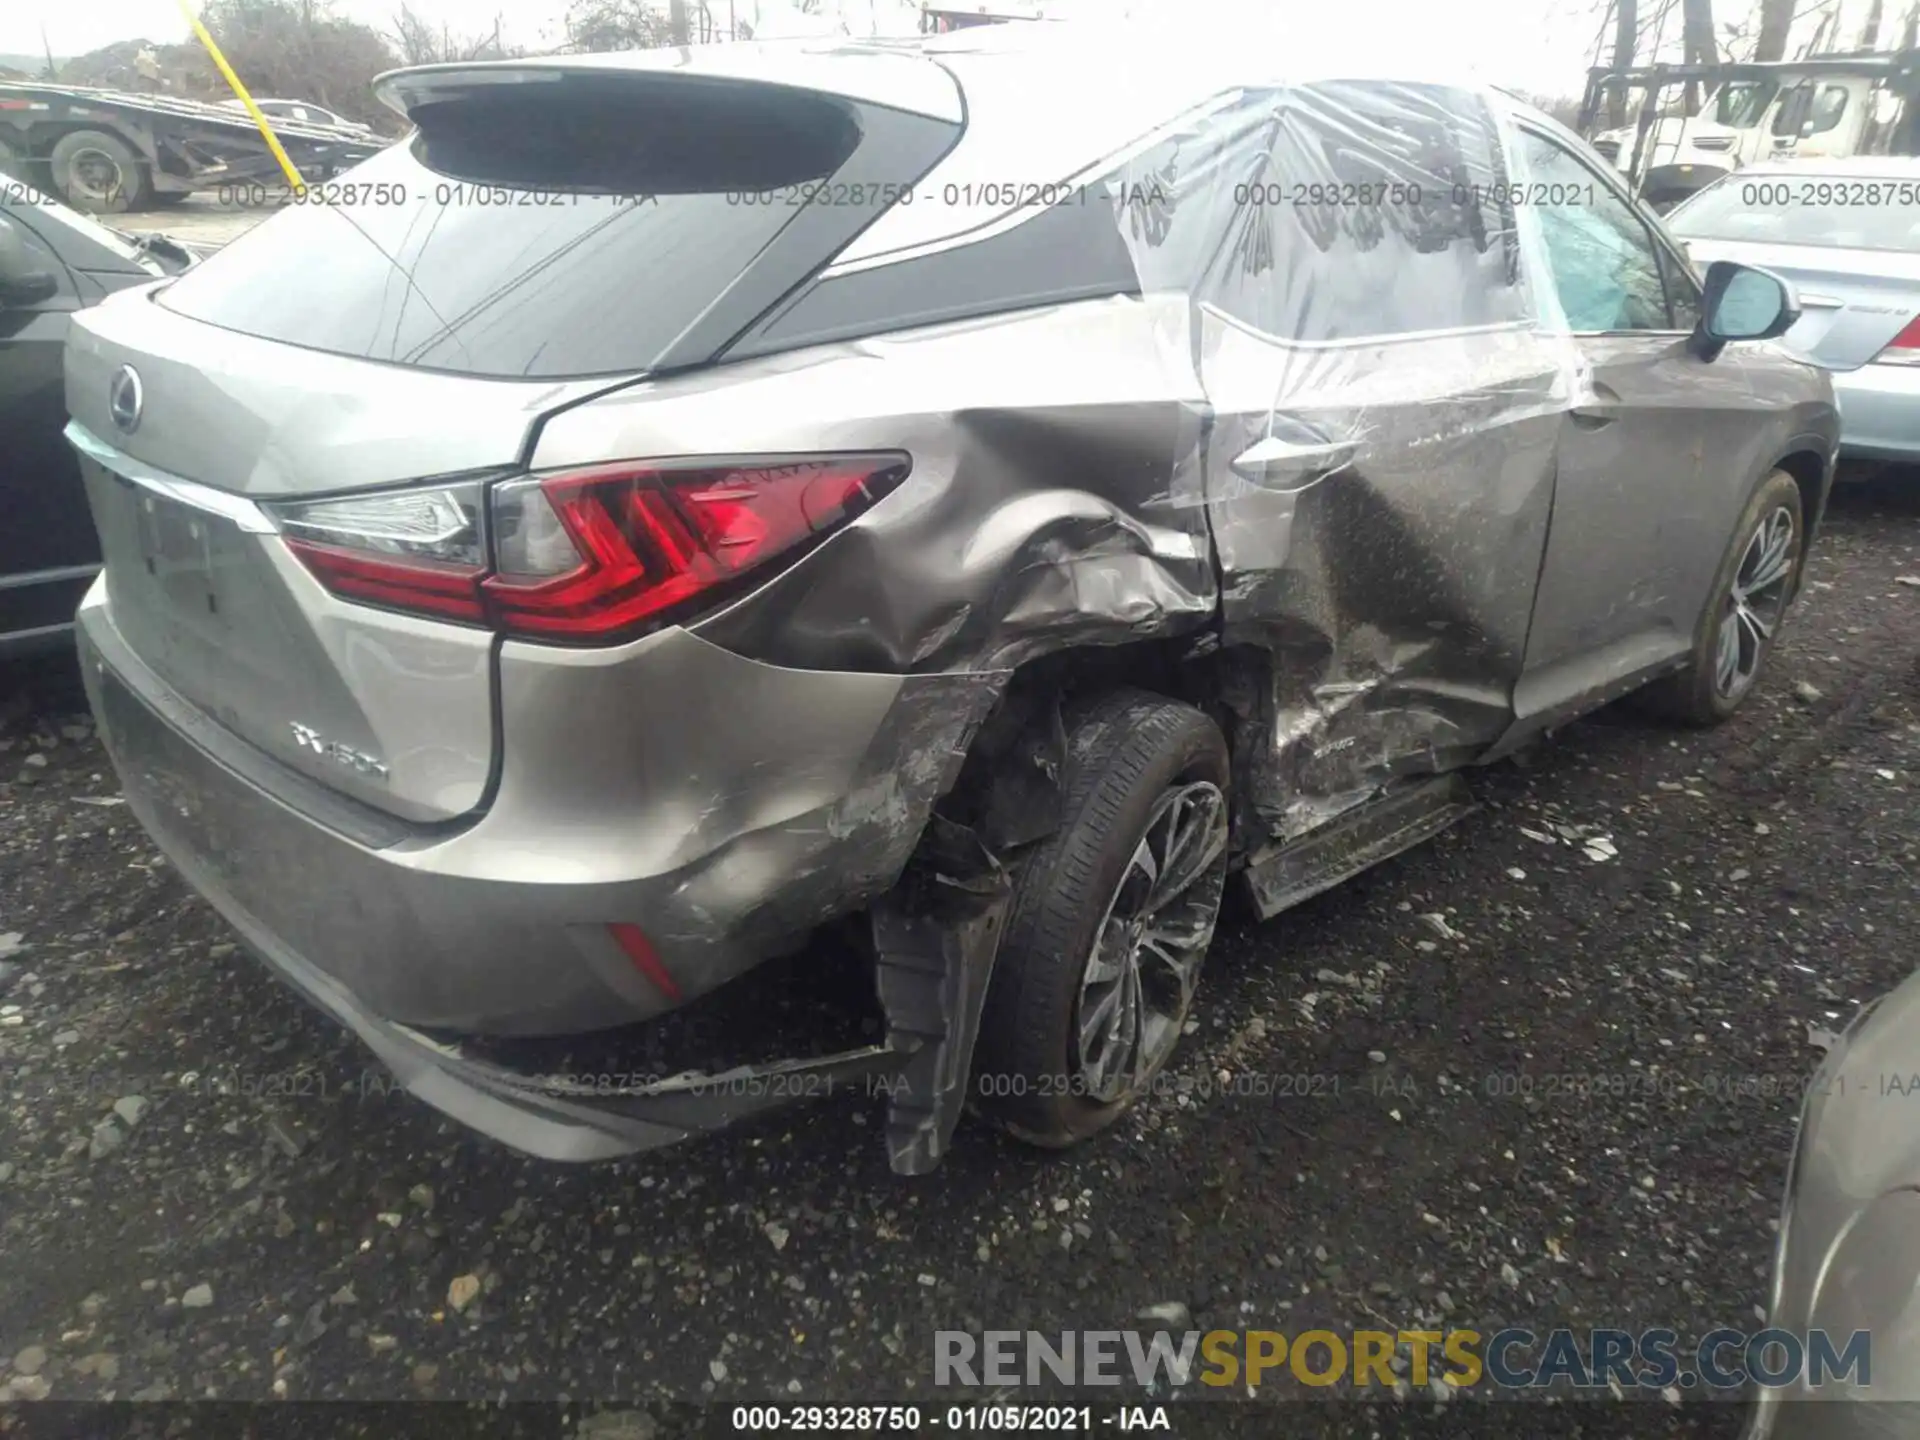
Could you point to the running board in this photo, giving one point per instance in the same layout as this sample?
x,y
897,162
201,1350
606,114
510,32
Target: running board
x,y
1281,876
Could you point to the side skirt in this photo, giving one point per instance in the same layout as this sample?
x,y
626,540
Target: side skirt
x,y
1281,876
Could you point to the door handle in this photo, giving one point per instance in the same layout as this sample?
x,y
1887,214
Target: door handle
x,y
1279,464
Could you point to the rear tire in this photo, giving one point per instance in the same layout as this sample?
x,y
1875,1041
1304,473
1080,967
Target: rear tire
x,y
1757,580
1072,1031
13,163
98,173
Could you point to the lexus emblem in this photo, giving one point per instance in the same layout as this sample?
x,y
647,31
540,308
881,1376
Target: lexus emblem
x,y
124,399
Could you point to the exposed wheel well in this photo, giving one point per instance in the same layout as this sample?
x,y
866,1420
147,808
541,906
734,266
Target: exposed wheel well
x,y
1004,782
1808,470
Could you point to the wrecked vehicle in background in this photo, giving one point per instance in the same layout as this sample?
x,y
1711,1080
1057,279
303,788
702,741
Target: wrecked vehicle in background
x,y
836,491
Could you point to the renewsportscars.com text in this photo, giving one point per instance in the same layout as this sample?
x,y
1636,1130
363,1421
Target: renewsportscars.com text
x,y
1509,1359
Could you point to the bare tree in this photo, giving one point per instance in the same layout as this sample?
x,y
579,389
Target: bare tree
x,y
1870,28
616,25
1625,35
1696,34
293,48
1776,23
420,43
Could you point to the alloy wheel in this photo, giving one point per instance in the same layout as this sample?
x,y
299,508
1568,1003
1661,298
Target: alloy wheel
x,y
1755,603
1140,977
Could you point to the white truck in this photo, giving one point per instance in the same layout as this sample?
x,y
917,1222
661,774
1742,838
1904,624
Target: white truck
x,y
1822,107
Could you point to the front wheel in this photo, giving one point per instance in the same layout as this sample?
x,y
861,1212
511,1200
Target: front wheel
x,y
1756,582
1110,923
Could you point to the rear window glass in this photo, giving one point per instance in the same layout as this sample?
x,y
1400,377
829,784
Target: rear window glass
x,y
541,229
1848,212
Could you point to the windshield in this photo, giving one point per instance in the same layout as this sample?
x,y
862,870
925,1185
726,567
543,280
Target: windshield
x,y
1845,212
1742,105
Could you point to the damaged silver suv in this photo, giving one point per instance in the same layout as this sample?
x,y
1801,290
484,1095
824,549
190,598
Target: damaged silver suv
x,y
999,488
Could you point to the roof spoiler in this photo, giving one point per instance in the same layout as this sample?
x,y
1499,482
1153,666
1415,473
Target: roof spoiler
x,y
894,77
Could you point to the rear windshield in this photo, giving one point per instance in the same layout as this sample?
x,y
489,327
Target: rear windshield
x,y
1848,212
567,228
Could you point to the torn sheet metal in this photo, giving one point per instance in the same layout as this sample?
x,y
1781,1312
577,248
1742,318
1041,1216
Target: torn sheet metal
x,y
1038,515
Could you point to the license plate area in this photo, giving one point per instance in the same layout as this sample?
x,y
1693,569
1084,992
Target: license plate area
x,y
177,549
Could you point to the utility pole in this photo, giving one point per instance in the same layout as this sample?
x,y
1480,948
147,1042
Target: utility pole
x,y
677,21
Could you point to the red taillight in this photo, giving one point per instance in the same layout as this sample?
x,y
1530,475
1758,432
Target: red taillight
x,y
426,587
421,551
585,555
634,542
1904,348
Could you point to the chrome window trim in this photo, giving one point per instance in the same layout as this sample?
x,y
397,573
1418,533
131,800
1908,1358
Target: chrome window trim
x,y
242,512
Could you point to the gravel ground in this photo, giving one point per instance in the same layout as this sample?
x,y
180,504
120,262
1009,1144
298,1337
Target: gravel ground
x,y
199,217
204,1190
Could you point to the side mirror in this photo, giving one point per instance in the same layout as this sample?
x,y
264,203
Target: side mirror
x,y
27,287
1740,302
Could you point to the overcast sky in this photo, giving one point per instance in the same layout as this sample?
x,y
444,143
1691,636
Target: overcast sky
x,y
1538,45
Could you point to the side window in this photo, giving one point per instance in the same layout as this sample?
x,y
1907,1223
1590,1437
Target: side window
x,y
1742,105
1828,107
1604,263
1337,211
1791,114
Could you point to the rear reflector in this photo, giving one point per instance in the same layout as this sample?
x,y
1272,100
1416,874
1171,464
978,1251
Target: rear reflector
x,y
632,939
585,556
1904,348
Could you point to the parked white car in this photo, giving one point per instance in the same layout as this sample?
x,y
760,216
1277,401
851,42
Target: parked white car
x,y
303,112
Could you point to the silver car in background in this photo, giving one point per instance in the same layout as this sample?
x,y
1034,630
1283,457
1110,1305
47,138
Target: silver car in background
x,y
1847,233
999,486
1848,1256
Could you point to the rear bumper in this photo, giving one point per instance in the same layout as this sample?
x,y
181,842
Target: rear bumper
x,y
500,926
1879,412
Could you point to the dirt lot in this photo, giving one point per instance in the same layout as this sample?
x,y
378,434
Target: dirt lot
x,y
234,1235
200,218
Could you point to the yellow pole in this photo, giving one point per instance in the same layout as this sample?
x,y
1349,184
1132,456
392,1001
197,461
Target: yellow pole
x,y
266,130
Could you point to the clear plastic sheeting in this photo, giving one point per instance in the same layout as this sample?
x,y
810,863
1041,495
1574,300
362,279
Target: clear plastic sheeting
x,y
1386,382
